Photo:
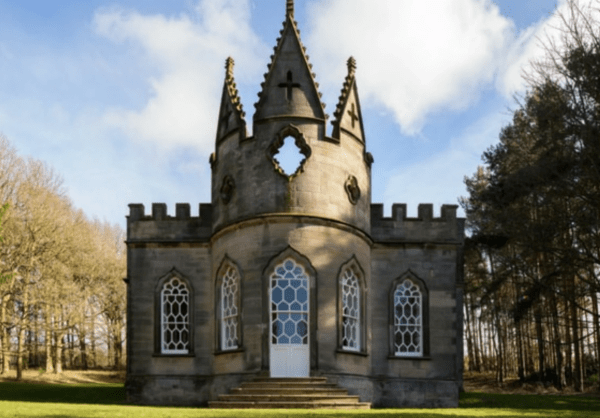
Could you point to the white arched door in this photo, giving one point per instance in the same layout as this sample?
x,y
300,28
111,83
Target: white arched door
x,y
289,342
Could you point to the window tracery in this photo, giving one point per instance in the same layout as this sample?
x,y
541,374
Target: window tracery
x,y
175,317
229,309
408,320
350,290
289,304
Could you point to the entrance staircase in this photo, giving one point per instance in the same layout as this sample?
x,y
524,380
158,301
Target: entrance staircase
x,y
306,393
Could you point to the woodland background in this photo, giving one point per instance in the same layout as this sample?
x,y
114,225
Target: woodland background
x,y
533,253
532,256
62,296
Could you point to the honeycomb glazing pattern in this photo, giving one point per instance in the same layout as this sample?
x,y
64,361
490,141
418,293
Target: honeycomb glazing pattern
x,y
289,304
408,320
350,311
175,317
229,313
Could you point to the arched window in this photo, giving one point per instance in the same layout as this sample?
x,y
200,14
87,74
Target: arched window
x,y
175,317
351,308
408,334
230,288
351,311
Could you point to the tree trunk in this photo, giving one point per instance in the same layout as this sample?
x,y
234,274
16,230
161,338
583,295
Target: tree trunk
x,y
480,343
520,357
22,330
94,360
578,372
59,352
48,343
500,352
82,348
560,368
470,348
4,367
476,346
540,340
118,348
596,328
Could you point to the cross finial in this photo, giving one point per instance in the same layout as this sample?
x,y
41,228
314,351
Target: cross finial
x,y
229,67
351,66
290,8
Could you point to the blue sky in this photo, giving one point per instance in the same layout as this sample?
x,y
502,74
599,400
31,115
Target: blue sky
x,y
121,97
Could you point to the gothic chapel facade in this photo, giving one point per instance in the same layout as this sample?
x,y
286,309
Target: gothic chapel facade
x,y
294,274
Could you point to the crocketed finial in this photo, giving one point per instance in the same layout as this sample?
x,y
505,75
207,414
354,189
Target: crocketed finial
x,y
229,67
351,66
290,8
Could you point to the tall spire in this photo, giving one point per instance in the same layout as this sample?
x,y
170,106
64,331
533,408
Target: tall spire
x,y
289,88
231,114
348,117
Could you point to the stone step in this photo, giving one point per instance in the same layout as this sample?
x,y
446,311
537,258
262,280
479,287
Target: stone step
x,y
291,379
288,405
289,398
280,390
291,385
301,393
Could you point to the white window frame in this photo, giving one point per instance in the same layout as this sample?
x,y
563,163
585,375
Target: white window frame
x,y
230,313
167,323
347,276
415,292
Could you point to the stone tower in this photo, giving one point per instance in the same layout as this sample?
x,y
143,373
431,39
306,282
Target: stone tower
x,y
294,274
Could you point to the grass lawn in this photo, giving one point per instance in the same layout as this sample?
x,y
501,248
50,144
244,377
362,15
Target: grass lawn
x,y
107,400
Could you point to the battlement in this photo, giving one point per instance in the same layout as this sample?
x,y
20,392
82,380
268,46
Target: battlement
x,y
160,227
424,228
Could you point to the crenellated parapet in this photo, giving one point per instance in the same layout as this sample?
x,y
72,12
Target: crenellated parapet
x,y
448,228
159,227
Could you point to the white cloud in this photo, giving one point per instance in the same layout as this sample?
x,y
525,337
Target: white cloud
x,y
439,178
528,47
415,57
188,52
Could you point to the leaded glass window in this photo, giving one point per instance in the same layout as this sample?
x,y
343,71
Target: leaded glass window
x,y
230,288
175,320
350,311
289,304
408,320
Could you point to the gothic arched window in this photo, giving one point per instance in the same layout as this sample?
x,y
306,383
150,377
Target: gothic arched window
x,y
230,289
351,309
228,307
175,317
408,326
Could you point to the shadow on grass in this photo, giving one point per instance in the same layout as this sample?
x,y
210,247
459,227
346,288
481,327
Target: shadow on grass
x,y
100,394
530,402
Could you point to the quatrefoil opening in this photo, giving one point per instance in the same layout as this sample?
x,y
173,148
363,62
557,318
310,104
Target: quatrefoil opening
x,y
291,164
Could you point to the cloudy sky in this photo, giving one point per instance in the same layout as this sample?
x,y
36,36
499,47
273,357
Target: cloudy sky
x,y
121,96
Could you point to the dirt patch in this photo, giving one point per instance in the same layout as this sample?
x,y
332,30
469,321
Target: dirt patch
x,y
486,383
66,377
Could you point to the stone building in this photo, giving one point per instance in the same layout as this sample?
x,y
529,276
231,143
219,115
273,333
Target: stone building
x,y
294,274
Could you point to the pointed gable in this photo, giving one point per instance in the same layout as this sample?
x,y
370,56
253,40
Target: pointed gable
x,y
348,115
231,113
289,88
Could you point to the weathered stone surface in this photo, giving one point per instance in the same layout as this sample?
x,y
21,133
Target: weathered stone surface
x,y
261,218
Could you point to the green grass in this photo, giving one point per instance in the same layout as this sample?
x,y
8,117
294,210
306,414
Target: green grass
x,y
106,400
